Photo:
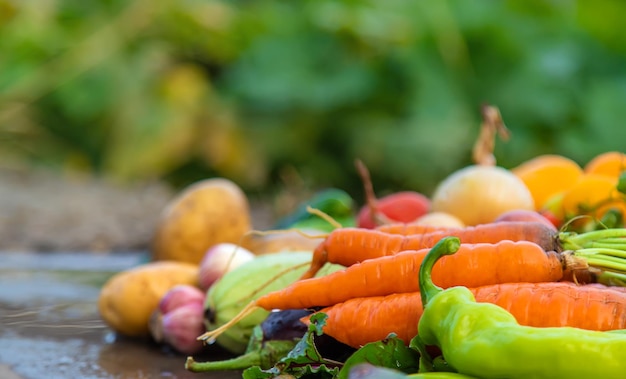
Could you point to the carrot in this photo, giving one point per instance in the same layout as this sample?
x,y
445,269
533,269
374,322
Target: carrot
x,y
362,320
347,246
603,250
411,228
613,288
472,265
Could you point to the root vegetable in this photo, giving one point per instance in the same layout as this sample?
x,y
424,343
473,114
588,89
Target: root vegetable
x,y
128,298
179,328
206,213
346,246
479,194
440,219
554,304
402,206
220,259
180,295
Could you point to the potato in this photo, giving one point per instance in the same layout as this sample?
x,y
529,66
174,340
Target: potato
x,y
129,297
207,212
282,241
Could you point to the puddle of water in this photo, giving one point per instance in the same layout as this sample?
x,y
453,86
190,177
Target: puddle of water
x,y
49,325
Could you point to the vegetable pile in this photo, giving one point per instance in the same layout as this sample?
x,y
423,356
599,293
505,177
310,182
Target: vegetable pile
x,y
489,277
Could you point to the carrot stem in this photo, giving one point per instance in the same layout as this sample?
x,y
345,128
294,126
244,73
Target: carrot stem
x,y
606,262
616,240
583,239
611,278
619,253
605,245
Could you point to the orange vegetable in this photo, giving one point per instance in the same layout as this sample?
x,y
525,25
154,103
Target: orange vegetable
x,y
362,320
592,194
610,163
346,246
547,175
473,265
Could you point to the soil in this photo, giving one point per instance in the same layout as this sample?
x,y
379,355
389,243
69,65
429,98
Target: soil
x,y
42,211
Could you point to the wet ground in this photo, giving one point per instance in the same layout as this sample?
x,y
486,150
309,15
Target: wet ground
x,y
49,326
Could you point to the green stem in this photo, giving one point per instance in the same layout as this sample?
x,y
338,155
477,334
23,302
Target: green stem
x,y
584,238
618,253
616,240
603,262
239,363
604,245
611,278
428,289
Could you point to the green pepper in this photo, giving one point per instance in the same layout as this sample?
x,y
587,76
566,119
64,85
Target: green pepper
x,y
484,340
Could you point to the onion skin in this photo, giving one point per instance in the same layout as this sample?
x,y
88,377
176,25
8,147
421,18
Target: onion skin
x,y
179,328
220,259
440,219
180,295
479,194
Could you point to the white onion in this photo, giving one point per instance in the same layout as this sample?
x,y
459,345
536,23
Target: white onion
x,y
440,219
220,259
478,194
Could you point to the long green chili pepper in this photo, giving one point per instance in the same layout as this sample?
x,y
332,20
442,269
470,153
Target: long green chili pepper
x,y
484,340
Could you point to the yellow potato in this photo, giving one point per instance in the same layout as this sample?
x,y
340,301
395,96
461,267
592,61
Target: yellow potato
x,y
207,212
128,298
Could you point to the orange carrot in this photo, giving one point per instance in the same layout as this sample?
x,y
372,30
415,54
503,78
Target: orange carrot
x,y
473,265
347,246
362,320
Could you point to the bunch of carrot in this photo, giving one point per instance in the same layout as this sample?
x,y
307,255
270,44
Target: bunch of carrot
x,y
525,267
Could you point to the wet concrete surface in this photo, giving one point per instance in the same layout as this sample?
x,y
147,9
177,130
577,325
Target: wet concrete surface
x,y
50,327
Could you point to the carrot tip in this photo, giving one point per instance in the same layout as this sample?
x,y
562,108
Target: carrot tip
x,y
210,336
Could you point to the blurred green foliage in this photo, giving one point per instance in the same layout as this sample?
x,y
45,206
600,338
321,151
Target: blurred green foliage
x,y
274,93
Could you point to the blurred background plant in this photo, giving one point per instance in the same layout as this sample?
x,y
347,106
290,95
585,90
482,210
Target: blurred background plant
x,y
274,93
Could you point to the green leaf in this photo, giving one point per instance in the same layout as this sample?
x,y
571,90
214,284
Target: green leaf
x,y
304,359
390,352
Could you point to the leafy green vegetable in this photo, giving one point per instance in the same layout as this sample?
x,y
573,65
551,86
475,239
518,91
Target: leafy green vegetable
x,y
265,356
303,360
390,352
